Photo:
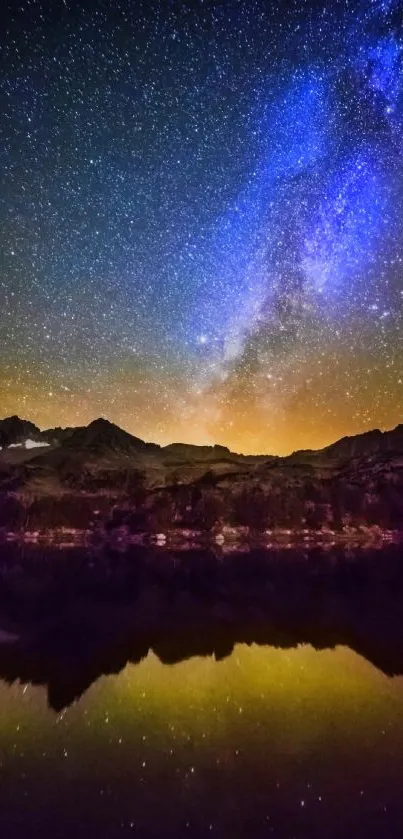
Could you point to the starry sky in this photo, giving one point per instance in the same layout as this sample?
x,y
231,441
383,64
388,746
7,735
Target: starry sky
x,y
201,228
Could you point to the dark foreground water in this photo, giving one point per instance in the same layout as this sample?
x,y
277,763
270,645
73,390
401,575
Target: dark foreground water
x,y
191,695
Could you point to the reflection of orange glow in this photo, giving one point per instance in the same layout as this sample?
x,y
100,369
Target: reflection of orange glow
x,y
299,694
265,730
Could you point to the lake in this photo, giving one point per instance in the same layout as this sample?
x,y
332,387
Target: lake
x,y
162,694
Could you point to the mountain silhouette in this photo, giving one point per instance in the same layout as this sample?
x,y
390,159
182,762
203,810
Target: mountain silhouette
x,y
15,430
102,436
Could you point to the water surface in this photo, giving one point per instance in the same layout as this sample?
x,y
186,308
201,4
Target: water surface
x,y
134,705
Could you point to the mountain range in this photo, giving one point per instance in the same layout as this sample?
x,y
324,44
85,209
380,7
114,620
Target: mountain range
x,y
68,476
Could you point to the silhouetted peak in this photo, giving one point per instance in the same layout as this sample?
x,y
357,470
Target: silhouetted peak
x,y
16,430
101,422
368,443
358,445
103,435
14,420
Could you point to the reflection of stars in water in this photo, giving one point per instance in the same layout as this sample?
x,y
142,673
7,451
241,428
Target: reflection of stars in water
x,y
147,706
202,238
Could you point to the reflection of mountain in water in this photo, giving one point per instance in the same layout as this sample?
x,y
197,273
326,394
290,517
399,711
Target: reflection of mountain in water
x,y
77,620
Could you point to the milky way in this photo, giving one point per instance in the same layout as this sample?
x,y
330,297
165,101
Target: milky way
x,y
202,218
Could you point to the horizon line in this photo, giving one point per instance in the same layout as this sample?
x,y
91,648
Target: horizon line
x,y
207,445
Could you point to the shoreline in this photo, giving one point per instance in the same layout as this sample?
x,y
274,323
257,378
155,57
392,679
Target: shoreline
x,y
184,539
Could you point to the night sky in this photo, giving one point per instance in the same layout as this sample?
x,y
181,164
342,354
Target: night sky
x,y
202,218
